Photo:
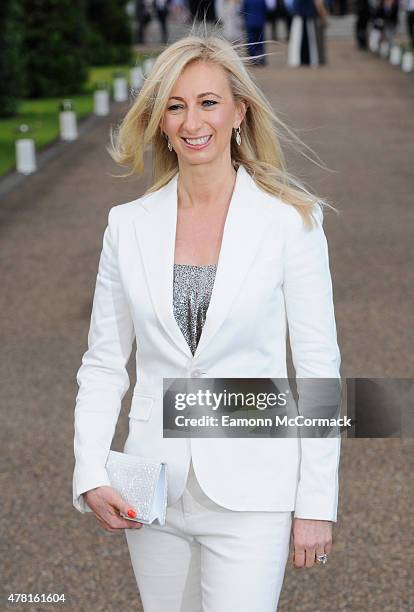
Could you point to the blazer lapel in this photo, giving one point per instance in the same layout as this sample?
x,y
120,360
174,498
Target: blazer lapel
x,y
155,230
246,222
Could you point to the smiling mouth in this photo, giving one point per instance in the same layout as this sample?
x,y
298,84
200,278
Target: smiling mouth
x,y
202,140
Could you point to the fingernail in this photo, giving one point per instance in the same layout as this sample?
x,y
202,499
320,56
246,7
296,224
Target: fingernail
x,y
131,513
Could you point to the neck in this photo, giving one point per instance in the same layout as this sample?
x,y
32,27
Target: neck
x,y
205,185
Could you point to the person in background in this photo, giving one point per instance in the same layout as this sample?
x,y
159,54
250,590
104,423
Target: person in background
x,y
254,13
161,8
271,16
219,9
385,19
363,11
143,17
202,8
277,10
390,10
303,43
320,27
409,7
179,11
343,7
228,11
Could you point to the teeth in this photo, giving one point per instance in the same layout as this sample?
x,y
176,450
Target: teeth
x,y
197,141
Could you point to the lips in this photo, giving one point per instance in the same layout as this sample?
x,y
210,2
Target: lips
x,y
198,146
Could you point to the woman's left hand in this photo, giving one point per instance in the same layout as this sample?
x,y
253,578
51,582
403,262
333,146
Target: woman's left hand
x,y
310,537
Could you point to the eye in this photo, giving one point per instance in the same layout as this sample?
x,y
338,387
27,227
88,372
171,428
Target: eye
x,y
176,106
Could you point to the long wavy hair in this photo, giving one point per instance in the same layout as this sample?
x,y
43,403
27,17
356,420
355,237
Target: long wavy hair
x,y
262,131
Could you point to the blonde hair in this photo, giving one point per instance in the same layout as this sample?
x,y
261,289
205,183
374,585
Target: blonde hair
x,y
261,130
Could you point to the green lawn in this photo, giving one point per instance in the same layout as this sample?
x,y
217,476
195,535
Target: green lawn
x,y
43,117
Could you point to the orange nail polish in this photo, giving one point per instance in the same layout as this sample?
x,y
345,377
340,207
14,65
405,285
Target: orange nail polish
x,y
131,513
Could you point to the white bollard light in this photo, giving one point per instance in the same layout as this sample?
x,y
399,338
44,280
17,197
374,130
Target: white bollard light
x,y
374,40
101,102
407,63
120,89
148,64
67,121
384,49
25,153
25,156
136,77
395,55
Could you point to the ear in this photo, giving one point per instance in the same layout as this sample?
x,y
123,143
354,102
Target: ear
x,y
241,112
161,124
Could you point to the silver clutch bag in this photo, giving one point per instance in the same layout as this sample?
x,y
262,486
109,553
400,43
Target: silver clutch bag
x,y
141,482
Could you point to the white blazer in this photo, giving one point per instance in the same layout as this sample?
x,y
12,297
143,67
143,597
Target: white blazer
x,y
271,273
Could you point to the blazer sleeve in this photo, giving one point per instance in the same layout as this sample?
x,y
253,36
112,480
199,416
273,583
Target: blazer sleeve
x,y
315,354
102,377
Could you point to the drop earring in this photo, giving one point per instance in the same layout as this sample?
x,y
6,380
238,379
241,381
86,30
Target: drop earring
x,y
238,136
169,145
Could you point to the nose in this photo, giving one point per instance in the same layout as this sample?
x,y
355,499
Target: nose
x,y
192,123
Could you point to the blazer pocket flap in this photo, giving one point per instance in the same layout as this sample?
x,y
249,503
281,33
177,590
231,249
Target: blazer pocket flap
x,y
141,407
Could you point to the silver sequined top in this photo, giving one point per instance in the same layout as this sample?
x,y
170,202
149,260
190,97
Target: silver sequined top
x,y
192,292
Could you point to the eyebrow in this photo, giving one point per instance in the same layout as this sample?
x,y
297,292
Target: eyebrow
x,y
206,93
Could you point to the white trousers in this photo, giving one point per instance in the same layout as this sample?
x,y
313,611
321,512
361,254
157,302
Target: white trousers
x,y
295,41
207,558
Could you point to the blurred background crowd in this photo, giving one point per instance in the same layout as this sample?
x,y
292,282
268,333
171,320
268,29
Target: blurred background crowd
x,y
302,22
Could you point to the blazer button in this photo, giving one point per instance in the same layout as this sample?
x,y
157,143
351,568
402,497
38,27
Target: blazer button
x,y
196,373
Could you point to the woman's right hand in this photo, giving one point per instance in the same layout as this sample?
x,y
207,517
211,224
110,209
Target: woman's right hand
x,y
106,503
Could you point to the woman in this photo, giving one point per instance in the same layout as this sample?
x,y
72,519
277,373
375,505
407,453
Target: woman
x,y
203,270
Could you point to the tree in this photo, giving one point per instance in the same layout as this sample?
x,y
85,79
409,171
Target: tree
x,y
55,45
12,62
110,32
